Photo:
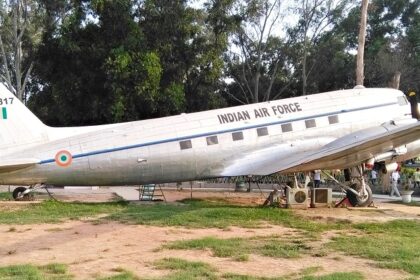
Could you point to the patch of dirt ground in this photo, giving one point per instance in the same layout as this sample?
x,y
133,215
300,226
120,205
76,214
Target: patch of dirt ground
x,y
92,250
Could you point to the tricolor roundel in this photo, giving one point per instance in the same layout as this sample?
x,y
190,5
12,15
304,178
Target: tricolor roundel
x,y
63,158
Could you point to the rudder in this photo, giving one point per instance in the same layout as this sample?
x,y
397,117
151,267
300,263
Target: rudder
x,y
18,125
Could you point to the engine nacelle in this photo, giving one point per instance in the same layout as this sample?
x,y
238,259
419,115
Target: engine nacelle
x,y
390,155
370,163
398,151
391,167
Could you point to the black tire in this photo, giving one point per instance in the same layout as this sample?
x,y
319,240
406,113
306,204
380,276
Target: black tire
x,y
356,200
18,192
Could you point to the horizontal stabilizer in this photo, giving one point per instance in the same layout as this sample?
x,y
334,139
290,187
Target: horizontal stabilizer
x,y
16,164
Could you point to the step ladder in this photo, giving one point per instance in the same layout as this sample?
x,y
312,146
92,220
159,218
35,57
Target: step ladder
x,y
151,192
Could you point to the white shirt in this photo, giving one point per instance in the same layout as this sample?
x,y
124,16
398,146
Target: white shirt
x,y
395,176
317,175
373,174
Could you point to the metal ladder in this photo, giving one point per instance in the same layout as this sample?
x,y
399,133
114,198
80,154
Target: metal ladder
x,y
147,193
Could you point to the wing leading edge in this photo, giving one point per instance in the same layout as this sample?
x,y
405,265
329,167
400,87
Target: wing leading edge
x,y
17,164
344,152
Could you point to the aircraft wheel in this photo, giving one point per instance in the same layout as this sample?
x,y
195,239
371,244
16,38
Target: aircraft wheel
x,y
356,200
17,194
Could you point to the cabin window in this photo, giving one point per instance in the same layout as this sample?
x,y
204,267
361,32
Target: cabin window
x,y
185,144
402,100
262,131
333,119
286,127
237,136
212,140
310,123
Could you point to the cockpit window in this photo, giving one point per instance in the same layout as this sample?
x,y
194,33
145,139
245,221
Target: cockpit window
x,y
402,100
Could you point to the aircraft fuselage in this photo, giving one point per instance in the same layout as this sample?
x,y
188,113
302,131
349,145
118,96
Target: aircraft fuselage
x,y
202,145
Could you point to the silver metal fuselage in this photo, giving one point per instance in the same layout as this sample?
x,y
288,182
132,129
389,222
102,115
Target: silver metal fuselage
x,y
150,151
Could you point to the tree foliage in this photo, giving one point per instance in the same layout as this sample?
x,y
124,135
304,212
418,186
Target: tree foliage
x,y
96,69
103,61
20,33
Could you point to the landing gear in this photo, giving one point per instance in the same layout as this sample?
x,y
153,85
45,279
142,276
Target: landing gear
x,y
358,192
363,199
21,193
25,194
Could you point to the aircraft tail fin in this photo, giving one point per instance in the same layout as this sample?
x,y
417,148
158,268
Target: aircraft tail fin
x,y
18,125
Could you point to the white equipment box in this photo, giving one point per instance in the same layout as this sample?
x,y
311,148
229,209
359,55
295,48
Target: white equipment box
x,y
297,197
321,197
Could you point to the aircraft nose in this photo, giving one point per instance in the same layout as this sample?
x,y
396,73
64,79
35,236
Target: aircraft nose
x,y
418,108
414,105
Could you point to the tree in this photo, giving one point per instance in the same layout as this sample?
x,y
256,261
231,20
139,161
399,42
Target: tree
x,y
391,49
390,46
315,18
20,32
411,19
190,43
255,56
96,69
333,64
361,46
125,60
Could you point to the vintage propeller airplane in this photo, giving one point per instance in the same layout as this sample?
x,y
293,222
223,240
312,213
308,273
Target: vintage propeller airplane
x,y
344,129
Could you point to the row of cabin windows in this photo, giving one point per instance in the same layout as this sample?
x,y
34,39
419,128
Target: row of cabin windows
x,y
262,131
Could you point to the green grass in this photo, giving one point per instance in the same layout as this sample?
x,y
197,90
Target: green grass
x,y
190,213
5,196
337,276
393,245
230,276
304,274
124,275
219,214
178,270
186,270
333,276
31,272
240,248
51,211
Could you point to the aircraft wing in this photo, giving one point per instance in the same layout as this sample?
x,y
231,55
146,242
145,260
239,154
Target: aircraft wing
x,y
344,152
16,164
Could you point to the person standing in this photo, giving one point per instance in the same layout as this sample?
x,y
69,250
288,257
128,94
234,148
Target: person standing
x,y
417,178
373,176
317,178
395,176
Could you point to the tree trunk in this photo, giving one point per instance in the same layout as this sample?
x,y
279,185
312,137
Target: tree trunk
x,y
304,76
361,47
7,78
257,84
395,81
